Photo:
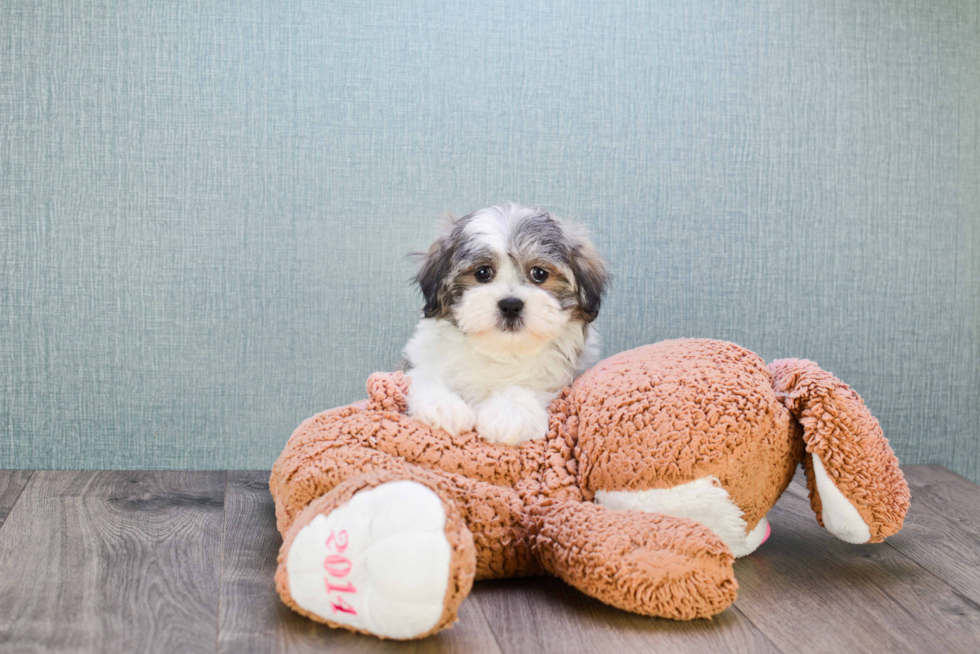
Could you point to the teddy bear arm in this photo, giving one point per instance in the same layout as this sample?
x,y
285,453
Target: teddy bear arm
x,y
494,514
646,563
465,454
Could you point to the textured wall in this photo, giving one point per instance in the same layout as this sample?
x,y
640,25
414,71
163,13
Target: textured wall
x,y
205,207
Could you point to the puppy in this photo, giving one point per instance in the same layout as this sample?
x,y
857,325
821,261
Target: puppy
x,y
510,292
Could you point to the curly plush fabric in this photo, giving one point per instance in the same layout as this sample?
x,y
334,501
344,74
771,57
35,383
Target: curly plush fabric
x,y
462,566
840,430
653,418
645,563
692,408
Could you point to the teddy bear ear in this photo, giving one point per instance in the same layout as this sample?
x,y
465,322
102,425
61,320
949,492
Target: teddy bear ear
x,y
857,490
388,391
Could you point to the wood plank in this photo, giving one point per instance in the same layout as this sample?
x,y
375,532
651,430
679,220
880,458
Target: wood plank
x,y
130,562
942,529
12,482
544,614
253,619
808,591
112,562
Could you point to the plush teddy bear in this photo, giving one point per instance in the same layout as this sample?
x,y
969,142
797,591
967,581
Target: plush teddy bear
x,y
659,468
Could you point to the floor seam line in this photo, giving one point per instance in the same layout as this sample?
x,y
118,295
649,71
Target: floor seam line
x,y
924,568
757,628
486,621
221,565
30,476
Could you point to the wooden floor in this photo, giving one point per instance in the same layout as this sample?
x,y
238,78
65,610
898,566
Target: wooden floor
x,y
183,562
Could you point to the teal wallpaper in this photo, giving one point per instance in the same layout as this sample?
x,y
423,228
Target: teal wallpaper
x,y
205,207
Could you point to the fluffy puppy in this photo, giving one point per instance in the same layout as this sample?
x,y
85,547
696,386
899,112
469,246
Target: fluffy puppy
x,y
510,292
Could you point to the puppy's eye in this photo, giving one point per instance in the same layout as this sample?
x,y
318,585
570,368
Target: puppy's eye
x,y
538,275
483,274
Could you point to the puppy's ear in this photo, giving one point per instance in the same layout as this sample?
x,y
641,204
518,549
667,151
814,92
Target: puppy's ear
x,y
591,279
434,270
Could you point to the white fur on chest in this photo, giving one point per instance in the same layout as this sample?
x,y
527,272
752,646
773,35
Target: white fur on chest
x,y
439,350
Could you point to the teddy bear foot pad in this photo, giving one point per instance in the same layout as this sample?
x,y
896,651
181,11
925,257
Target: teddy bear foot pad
x,y
703,500
378,563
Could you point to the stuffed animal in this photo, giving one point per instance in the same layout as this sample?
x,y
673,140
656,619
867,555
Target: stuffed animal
x,y
659,468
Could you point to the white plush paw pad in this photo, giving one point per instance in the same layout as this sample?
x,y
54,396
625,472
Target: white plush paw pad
x,y
839,516
379,563
511,416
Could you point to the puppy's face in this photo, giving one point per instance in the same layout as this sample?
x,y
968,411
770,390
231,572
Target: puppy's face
x,y
512,277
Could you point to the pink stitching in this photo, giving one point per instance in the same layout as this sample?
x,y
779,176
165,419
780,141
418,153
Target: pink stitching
x,y
339,567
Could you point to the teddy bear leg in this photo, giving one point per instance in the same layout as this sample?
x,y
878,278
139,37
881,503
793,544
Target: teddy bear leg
x,y
834,511
857,490
647,563
494,514
703,500
382,553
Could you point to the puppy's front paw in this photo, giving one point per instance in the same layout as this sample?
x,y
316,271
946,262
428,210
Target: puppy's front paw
x,y
511,416
442,410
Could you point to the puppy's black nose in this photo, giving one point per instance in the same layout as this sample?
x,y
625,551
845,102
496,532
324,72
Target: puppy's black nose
x,y
510,307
